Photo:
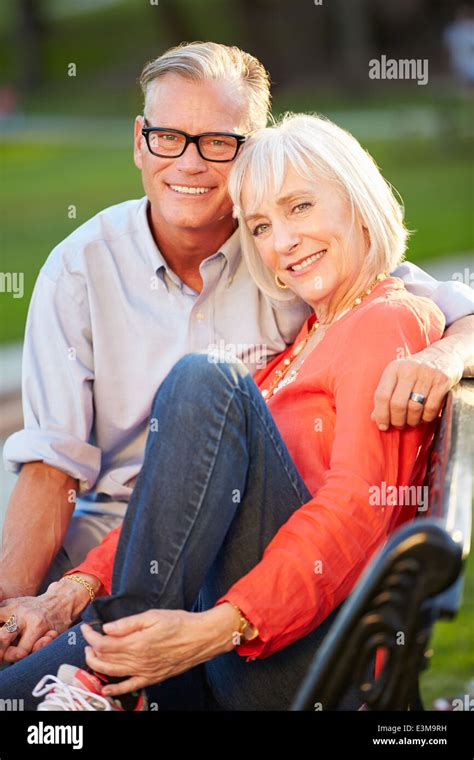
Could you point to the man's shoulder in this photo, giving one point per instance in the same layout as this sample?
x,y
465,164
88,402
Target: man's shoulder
x,y
108,225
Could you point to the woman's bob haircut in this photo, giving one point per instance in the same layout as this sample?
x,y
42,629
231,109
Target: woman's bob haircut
x,y
315,147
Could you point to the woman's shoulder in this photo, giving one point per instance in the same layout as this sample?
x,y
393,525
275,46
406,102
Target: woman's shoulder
x,y
392,301
392,312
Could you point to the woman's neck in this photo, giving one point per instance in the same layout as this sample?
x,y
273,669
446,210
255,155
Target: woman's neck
x,y
330,311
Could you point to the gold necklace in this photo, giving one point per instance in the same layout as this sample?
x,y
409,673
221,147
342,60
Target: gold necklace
x,y
284,376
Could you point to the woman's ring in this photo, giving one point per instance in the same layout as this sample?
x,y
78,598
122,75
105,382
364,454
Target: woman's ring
x,y
10,625
417,397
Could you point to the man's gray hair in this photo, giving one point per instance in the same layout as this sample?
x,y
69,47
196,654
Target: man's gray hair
x,y
201,61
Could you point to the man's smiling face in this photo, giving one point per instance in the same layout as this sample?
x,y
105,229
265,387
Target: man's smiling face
x,y
192,107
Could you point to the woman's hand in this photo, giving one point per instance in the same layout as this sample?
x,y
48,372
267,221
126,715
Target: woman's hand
x,y
40,619
158,644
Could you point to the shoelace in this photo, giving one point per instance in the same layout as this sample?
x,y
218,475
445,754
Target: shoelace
x,y
66,697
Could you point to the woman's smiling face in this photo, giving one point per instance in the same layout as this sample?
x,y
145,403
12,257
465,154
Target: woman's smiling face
x,y
308,236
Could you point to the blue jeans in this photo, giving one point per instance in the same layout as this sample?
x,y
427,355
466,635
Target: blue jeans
x,y
216,485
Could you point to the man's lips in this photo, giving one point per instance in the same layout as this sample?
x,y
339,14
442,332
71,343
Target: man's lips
x,y
189,190
306,262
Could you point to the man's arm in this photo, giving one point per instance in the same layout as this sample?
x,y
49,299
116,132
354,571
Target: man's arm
x,y
39,512
53,452
432,372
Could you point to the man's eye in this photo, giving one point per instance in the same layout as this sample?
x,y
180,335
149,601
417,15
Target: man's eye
x,y
168,137
259,229
217,142
302,206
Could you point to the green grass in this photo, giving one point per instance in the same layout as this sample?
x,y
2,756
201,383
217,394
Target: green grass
x,y
40,182
452,663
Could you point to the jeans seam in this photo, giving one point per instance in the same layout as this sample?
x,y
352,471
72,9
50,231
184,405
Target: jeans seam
x,y
198,505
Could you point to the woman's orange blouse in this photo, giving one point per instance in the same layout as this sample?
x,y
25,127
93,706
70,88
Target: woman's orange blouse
x,y
355,472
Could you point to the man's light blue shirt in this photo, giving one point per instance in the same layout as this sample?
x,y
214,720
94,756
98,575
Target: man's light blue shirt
x,y
107,321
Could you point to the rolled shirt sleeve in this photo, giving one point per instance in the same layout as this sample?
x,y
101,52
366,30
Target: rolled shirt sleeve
x,y
57,379
455,299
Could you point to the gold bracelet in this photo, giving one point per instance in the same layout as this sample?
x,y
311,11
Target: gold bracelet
x,y
86,584
244,624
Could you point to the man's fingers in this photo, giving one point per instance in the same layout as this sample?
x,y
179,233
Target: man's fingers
x,y
383,394
399,401
415,410
434,402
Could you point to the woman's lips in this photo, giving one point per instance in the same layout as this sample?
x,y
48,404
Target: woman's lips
x,y
308,267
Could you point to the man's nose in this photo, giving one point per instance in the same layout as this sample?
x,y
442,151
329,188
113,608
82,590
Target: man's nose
x,y
191,161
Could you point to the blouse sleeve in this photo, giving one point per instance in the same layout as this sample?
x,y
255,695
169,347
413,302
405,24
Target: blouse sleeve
x,y
100,560
316,557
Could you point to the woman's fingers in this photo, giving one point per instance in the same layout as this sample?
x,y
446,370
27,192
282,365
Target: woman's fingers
x,y
101,666
7,639
124,687
44,640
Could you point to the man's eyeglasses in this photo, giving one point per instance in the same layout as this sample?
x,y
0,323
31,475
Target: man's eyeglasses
x,y
212,146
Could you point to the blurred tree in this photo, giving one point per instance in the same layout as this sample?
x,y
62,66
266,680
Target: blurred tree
x,y
355,39
31,30
177,25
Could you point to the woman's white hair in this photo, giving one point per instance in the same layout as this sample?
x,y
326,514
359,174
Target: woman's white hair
x,y
212,61
315,147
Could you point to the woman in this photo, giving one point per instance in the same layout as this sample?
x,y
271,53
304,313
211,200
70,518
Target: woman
x,y
256,513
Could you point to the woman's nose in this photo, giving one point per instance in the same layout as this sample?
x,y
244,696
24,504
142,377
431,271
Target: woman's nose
x,y
285,241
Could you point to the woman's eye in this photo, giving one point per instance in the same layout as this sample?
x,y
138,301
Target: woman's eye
x,y
302,206
259,229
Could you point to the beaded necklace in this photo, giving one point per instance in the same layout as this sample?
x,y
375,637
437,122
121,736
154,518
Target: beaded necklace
x,y
285,376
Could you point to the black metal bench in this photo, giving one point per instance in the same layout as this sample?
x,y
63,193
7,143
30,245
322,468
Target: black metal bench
x,y
413,581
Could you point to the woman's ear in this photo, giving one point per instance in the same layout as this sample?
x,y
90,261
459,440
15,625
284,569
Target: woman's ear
x,y
366,234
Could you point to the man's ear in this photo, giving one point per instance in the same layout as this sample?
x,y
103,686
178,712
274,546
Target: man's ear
x,y
137,142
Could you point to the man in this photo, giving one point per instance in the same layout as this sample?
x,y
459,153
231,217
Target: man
x,y
133,289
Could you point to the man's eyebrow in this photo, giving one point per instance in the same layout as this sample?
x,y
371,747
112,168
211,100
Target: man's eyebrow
x,y
281,201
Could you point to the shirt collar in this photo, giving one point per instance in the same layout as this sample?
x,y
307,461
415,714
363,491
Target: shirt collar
x,y
230,249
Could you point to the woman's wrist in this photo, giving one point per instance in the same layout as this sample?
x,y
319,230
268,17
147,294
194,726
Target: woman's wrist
x,y
224,623
74,595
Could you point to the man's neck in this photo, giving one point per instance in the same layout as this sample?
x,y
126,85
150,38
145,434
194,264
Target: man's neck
x,y
185,249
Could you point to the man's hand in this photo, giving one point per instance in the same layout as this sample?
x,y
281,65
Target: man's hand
x,y
431,372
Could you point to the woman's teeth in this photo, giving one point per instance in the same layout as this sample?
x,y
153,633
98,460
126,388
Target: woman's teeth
x,y
308,261
190,190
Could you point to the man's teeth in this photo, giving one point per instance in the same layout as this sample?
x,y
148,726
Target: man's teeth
x,y
308,261
190,190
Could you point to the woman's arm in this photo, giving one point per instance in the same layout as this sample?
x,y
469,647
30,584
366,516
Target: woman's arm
x,y
316,557
41,618
158,644
99,562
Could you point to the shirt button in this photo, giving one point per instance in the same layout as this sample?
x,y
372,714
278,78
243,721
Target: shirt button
x,y
200,316
230,280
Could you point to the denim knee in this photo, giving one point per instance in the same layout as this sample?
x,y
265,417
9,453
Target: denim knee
x,y
196,372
